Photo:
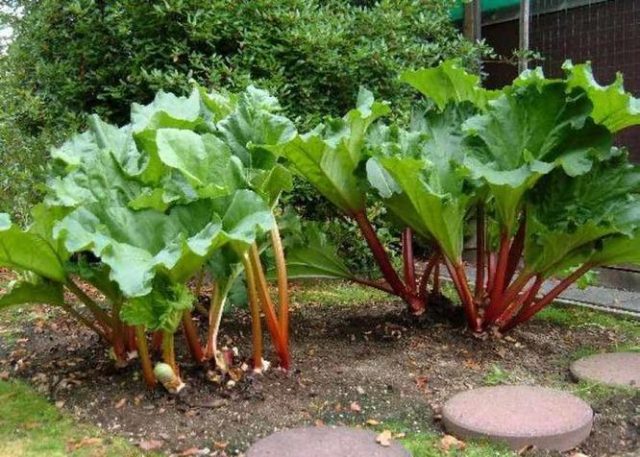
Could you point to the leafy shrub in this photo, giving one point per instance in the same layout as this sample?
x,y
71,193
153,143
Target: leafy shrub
x,y
72,57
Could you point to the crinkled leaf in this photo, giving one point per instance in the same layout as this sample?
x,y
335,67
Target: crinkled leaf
x,y
167,111
99,178
448,83
440,211
425,184
162,309
612,106
204,160
329,156
526,133
567,214
272,182
136,245
253,125
246,215
616,250
219,105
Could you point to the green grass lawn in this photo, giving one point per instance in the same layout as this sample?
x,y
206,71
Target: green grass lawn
x,y
31,426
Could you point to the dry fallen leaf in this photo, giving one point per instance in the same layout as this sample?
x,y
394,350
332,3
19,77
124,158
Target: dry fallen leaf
x,y
355,407
150,445
4,375
526,449
121,403
373,422
193,451
421,382
448,442
578,454
472,364
84,442
220,444
384,438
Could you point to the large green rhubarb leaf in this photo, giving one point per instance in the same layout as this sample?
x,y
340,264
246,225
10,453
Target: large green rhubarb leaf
x,y
447,83
40,292
566,216
204,160
616,250
612,106
100,165
253,125
329,156
137,245
528,131
421,177
168,111
30,251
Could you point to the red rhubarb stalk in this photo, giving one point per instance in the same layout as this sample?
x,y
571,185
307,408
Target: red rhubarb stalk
x,y
527,313
254,307
523,300
169,352
515,252
497,308
491,270
459,278
376,285
130,338
380,254
424,280
407,260
145,359
191,335
436,279
501,267
82,319
480,252
281,345
103,318
283,283
156,341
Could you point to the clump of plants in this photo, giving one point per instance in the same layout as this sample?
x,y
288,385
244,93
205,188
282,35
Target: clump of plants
x,y
189,189
134,213
529,172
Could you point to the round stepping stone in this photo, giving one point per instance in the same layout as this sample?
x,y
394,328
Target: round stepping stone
x,y
614,369
324,442
519,416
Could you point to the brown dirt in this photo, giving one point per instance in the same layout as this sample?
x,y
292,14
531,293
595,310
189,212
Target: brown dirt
x,y
396,370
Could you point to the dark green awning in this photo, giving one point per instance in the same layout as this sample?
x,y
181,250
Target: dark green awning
x,y
488,6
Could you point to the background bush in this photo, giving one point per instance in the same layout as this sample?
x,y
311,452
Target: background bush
x,y
71,57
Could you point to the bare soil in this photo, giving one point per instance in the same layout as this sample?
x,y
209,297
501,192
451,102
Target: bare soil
x,y
370,358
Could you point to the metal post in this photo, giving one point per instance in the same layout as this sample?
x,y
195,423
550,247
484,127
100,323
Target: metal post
x,y
525,12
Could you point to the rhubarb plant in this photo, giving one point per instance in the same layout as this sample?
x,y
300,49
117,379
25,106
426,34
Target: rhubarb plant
x,y
138,211
332,157
529,170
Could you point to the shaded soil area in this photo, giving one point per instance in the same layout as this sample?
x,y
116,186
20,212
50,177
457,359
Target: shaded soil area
x,y
353,364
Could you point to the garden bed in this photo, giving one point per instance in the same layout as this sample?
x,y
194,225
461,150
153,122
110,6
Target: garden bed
x,y
358,361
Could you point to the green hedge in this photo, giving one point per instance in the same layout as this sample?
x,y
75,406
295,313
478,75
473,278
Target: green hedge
x,y
72,57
